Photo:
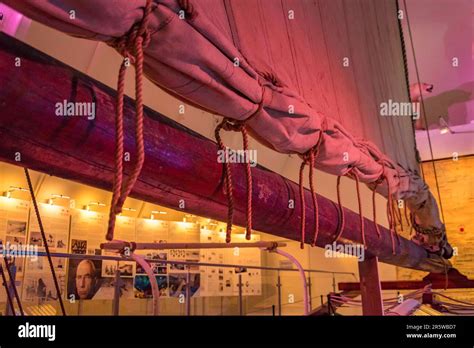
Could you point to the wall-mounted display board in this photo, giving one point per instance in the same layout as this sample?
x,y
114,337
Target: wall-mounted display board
x,y
13,230
81,232
224,281
88,229
95,279
184,232
152,231
38,281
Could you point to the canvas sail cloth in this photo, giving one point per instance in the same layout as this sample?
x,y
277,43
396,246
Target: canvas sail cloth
x,y
229,56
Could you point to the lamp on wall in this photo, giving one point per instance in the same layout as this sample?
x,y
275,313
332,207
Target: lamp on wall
x,y
99,204
127,209
155,212
56,196
8,193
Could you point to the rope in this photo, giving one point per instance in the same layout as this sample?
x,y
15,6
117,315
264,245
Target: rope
x,y
312,163
131,46
361,217
390,213
407,81
238,126
226,124
228,183
302,205
405,211
340,210
12,282
374,208
46,247
309,158
424,111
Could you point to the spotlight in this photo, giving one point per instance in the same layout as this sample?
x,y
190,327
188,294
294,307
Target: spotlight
x,y
56,196
155,212
88,206
8,193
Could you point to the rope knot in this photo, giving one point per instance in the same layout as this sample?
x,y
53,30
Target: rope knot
x,y
231,125
130,46
136,39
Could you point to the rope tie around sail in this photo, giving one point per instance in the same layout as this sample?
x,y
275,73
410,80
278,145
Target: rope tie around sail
x,y
43,236
309,158
131,47
353,175
374,211
238,126
390,213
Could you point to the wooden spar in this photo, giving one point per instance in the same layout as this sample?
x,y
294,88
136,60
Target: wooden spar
x,y
371,293
119,245
451,280
180,166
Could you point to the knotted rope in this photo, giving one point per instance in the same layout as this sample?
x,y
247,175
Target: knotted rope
x,y
228,125
390,213
359,202
377,183
341,225
238,126
341,218
131,47
309,158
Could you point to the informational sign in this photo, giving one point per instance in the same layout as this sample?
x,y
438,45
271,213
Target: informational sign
x,y
88,229
13,233
152,231
224,281
184,232
38,282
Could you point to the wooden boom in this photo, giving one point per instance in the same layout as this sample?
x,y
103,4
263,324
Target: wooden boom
x,y
180,167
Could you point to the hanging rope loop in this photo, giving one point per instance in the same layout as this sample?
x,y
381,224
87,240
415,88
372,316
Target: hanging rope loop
x,y
353,174
131,47
236,126
309,158
228,124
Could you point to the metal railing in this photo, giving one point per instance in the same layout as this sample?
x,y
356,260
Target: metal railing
x,y
276,309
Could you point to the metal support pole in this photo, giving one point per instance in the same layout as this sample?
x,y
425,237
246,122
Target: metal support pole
x,y
370,288
9,310
302,274
241,308
329,304
188,293
279,293
309,293
120,245
116,302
